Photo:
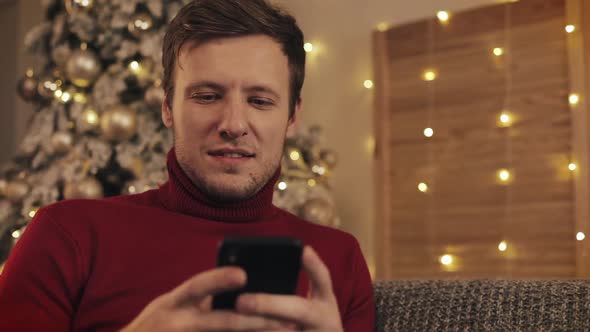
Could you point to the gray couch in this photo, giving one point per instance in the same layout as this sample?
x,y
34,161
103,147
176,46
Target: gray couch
x,y
482,305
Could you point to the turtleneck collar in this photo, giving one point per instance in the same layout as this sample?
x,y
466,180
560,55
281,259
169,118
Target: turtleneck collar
x,y
180,194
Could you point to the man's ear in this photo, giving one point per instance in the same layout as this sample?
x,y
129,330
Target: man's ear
x,y
167,113
292,125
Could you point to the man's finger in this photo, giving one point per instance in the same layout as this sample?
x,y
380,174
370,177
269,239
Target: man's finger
x,y
207,283
289,308
318,274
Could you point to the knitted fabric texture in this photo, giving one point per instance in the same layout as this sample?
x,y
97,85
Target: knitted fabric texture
x,y
482,305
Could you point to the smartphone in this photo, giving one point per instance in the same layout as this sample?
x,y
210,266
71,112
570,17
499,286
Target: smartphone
x,y
272,265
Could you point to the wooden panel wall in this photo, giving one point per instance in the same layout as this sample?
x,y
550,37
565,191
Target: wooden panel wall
x,y
467,211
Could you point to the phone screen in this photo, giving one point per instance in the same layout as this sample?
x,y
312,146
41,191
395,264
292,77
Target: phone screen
x,y
272,265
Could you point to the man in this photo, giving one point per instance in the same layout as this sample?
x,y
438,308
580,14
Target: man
x,y
233,72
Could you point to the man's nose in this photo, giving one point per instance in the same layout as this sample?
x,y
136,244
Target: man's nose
x,y
234,122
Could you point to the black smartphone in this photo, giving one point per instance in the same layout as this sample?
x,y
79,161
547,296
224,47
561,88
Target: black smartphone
x,y
272,265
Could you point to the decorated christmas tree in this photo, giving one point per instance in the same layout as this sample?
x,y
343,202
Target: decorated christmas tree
x,y
97,131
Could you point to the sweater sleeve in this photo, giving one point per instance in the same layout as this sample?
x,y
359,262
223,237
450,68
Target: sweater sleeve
x,y
40,281
360,314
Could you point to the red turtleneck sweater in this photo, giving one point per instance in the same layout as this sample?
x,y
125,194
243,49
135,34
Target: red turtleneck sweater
x,y
93,265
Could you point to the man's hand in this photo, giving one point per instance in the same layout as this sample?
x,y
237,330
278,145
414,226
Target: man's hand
x,y
318,312
188,307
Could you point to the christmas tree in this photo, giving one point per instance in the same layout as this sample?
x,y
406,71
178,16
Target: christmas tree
x,y
97,131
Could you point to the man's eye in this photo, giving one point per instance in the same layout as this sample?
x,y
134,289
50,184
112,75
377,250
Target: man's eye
x,y
261,102
205,98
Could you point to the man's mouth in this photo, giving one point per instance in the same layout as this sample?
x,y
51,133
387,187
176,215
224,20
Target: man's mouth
x,y
231,153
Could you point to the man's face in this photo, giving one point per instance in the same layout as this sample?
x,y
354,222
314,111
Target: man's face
x,y
230,114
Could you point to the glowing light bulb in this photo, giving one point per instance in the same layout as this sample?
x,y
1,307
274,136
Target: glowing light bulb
x,y
505,120
580,236
58,93
65,97
446,259
135,67
282,185
16,234
504,175
92,117
132,189
498,51
502,246
308,47
368,84
443,16
429,75
423,187
311,182
294,155
428,132
383,26
574,99
570,28
572,166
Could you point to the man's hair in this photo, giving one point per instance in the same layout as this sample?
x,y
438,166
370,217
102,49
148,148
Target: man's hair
x,y
205,20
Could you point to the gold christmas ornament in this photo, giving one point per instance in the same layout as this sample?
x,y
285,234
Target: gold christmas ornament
x,y
318,211
73,6
62,142
139,23
87,188
83,68
16,191
27,87
119,123
88,120
154,96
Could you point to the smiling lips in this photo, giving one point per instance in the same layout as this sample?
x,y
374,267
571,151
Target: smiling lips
x,y
231,155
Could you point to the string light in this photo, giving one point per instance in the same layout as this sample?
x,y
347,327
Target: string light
x,y
383,26
443,16
135,67
65,97
504,175
580,236
308,47
282,185
311,182
318,169
368,84
91,117
446,259
570,28
505,119
429,75
423,187
294,155
428,132
574,99
498,51
32,213
502,246
16,234
572,166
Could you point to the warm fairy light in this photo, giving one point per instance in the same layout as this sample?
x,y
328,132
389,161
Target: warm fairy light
x,y
294,155
572,166
311,182
580,236
574,99
368,84
134,66
16,234
32,213
505,119
428,132
446,259
443,16
504,175
282,185
30,72
423,187
502,246
132,189
318,169
58,93
91,117
65,97
308,47
498,51
80,98
383,26
570,28
429,75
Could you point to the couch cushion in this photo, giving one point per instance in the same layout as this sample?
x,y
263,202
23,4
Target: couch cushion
x,y
482,305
